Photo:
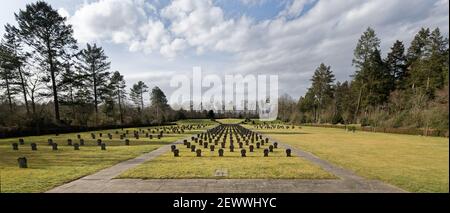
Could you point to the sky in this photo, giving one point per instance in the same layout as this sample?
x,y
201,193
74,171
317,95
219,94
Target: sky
x,y
152,40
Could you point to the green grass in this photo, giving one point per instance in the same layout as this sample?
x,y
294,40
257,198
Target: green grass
x,y
254,166
414,163
48,168
230,120
196,122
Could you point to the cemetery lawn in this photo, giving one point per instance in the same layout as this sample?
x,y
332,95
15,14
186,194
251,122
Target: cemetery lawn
x,y
254,166
48,168
413,163
230,121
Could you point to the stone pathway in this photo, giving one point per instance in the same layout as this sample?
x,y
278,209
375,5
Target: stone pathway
x,y
103,182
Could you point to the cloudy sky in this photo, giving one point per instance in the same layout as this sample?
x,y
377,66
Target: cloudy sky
x,y
151,40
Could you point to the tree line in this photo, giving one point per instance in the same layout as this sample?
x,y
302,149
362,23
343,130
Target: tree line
x,y
47,80
407,88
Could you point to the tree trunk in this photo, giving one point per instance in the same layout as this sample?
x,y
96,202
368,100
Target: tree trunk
x,y
120,107
53,78
8,93
22,83
358,105
95,95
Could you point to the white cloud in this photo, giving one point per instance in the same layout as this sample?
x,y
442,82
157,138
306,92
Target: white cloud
x,y
293,43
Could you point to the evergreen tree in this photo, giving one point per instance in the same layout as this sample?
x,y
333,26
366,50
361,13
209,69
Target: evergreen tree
x,y
322,87
7,74
94,65
46,32
159,104
117,85
137,94
13,43
396,63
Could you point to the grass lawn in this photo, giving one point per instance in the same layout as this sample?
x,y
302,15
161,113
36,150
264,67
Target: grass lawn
x,y
230,121
48,168
414,163
254,166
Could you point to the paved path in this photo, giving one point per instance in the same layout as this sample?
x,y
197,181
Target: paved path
x,y
103,181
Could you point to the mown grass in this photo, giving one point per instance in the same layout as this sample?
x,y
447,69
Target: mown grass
x,y
230,121
414,163
48,168
254,166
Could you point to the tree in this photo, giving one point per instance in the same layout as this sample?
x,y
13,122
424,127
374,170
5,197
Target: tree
x,y
137,94
13,43
7,74
371,78
322,87
396,63
159,103
211,114
94,64
46,32
117,85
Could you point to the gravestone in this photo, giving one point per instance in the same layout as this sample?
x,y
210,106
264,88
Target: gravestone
x,y
15,146
109,136
288,152
150,136
173,147
205,145
220,152
81,142
76,146
22,162
200,142
159,137
103,145
21,141
193,148
266,153
231,148
240,145
54,146
275,145
212,147
33,146
188,145
246,143
99,142
176,153
199,152
251,148
243,151
100,134
185,142
258,145
127,142
92,135
271,148
78,136
69,142
121,137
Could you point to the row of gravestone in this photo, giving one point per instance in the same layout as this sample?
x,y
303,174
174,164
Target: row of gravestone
x,y
22,161
273,126
222,131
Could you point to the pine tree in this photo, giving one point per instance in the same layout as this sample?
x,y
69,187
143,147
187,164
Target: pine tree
x,y
94,65
7,74
159,104
137,94
46,32
117,85
396,63
13,43
322,87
